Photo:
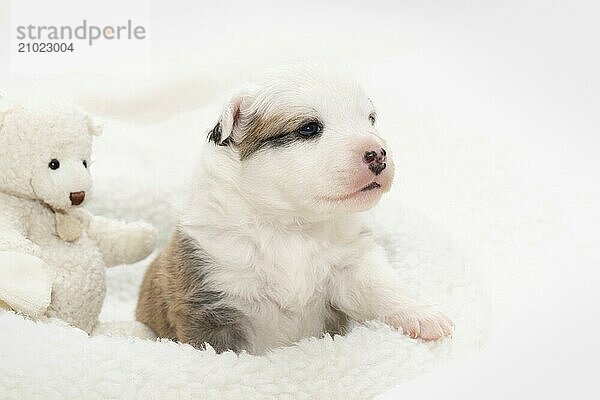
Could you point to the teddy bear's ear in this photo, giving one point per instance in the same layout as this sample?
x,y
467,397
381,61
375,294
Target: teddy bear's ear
x,y
5,107
95,129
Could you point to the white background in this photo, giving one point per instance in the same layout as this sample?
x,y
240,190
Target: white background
x,y
519,80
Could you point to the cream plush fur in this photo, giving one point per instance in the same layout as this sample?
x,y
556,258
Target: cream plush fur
x,y
53,254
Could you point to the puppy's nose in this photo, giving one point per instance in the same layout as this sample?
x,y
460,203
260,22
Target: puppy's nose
x,y
376,160
370,156
77,198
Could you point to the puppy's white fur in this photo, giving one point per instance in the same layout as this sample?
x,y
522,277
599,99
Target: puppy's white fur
x,y
281,223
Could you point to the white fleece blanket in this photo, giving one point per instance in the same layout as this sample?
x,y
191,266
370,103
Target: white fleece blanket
x,y
139,171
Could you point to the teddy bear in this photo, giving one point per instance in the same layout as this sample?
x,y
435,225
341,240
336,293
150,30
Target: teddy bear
x,y
53,253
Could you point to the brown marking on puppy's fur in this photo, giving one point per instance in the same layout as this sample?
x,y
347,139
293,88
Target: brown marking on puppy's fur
x,y
270,130
177,303
336,321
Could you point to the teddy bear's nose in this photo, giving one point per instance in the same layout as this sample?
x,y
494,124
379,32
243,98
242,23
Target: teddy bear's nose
x,y
77,198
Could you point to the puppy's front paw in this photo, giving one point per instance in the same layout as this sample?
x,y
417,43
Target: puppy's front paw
x,y
424,324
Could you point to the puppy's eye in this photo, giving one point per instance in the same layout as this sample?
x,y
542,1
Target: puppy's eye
x,y
310,129
85,163
372,118
54,164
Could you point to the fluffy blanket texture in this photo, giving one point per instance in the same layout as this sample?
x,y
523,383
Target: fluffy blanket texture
x,y
139,171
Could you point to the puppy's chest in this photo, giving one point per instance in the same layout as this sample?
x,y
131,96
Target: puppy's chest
x,y
290,271
292,276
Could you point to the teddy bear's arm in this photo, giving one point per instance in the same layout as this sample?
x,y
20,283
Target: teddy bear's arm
x,y
25,279
121,242
13,236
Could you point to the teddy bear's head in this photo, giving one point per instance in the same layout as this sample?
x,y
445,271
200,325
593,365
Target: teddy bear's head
x,y
45,153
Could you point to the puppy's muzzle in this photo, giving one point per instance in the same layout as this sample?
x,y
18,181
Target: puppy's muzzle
x,y
376,160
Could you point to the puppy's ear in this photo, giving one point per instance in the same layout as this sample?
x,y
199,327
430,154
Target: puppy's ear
x,y
221,133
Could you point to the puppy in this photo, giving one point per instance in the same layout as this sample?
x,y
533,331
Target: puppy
x,y
269,248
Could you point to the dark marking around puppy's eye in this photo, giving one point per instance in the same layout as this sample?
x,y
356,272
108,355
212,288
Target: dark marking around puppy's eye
x,y
278,131
85,163
54,164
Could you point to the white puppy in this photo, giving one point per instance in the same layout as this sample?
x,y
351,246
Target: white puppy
x,y
269,248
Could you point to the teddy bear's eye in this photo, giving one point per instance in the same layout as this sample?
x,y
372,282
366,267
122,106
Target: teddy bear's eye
x,y
85,163
54,164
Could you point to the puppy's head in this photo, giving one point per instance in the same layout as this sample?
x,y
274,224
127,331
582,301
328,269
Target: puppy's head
x,y
306,141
